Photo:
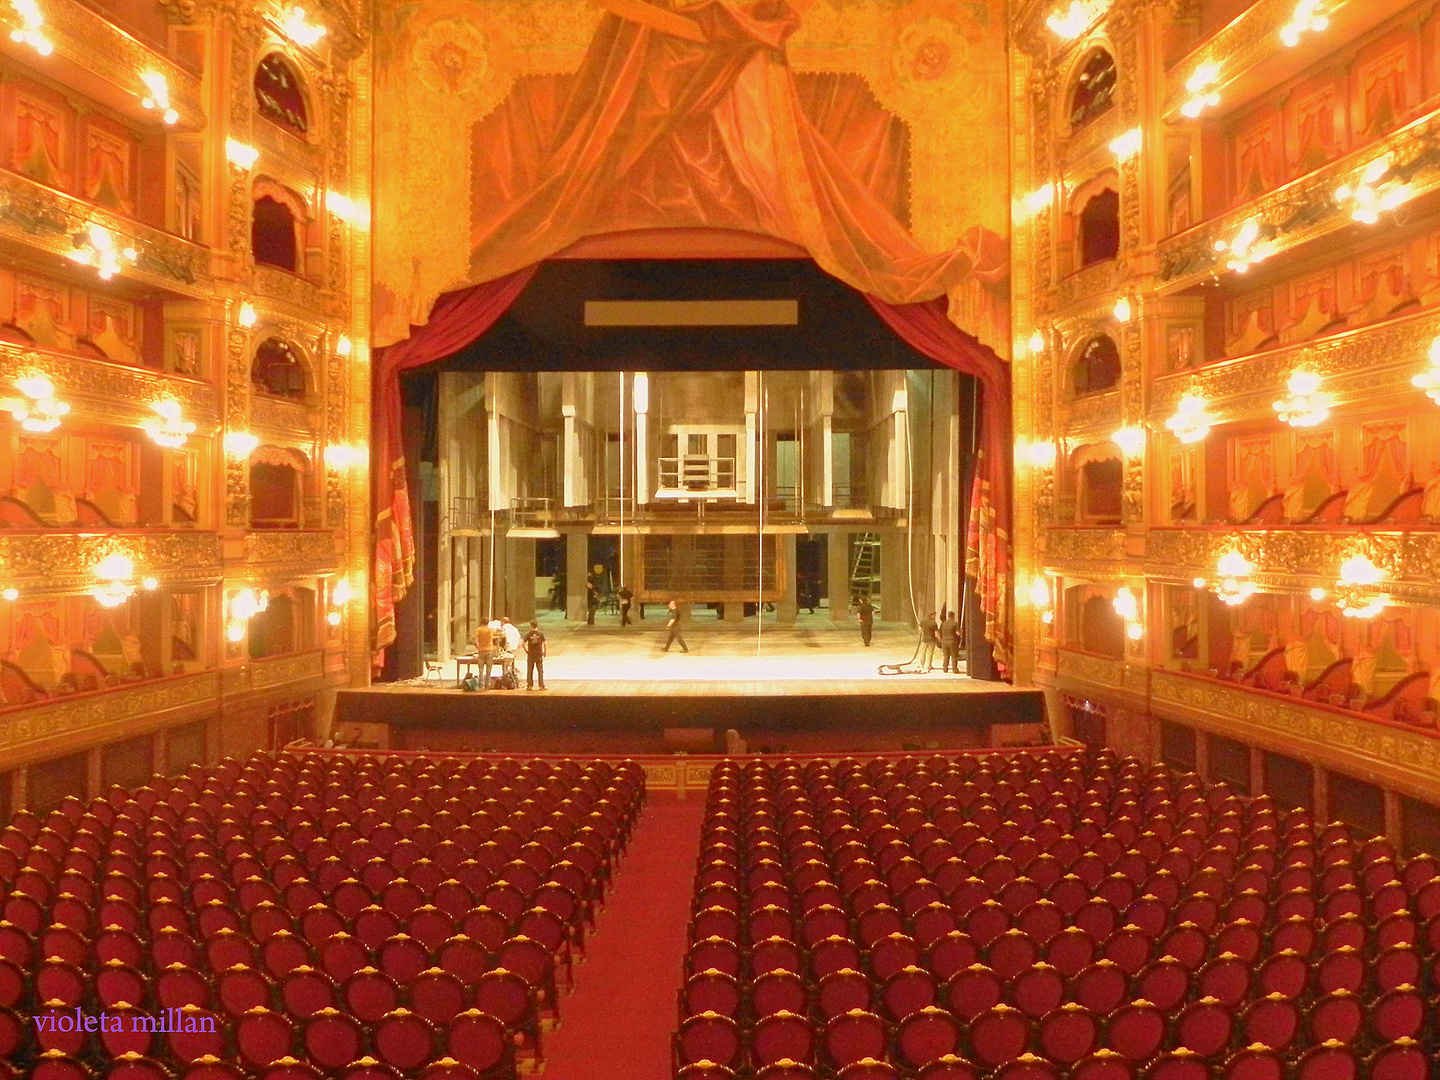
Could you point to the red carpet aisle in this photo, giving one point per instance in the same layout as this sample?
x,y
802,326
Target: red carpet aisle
x,y
617,1025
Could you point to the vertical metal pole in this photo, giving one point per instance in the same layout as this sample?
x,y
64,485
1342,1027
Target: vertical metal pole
x,y
623,579
760,516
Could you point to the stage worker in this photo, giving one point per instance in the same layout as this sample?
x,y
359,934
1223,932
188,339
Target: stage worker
x,y
534,656
626,596
929,639
950,642
592,602
865,612
672,628
485,651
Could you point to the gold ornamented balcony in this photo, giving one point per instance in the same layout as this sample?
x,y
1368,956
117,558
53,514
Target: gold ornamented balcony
x,y
1303,210
305,297
97,51
1091,416
292,419
108,392
104,715
273,671
1090,669
1083,550
57,562
1093,283
287,552
43,218
1357,365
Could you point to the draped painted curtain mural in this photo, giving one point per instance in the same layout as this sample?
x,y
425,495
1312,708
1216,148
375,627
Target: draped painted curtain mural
x,y
870,135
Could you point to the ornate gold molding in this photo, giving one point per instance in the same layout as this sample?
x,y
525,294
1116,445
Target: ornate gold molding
x,y
1357,365
43,218
311,550
1094,415
62,561
107,391
1062,547
1300,727
263,674
61,716
291,289
1249,38
278,415
1083,286
1302,210
101,48
1084,667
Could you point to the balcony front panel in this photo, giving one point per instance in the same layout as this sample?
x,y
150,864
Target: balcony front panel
x,y
55,562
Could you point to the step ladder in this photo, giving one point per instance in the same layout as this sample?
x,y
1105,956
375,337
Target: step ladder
x,y
864,575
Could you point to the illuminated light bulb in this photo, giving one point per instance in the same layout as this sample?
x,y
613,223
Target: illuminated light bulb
x,y
240,154
300,30
348,210
1317,594
240,444
28,32
1041,455
234,631
11,594
96,247
1305,406
1247,247
1134,631
1191,422
1354,594
1040,592
114,572
1128,144
1308,17
1359,570
1126,605
1234,586
1130,439
1070,22
1122,311
1040,199
1201,96
1037,342
39,410
159,95
1429,379
333,618
344,456
341,592
169,429
150,583
343,347
1199,582
247,314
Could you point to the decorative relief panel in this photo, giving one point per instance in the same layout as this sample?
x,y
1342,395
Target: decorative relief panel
x,y
284,669
1093,414
63,561
86,711
278,414
313,550
108,391
1070,546
289,288
1098,670
237,392
1100,280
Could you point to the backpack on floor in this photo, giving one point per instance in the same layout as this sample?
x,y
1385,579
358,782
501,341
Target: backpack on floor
x,y
510,679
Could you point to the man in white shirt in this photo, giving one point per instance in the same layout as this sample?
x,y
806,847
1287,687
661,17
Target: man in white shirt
x,y
511,636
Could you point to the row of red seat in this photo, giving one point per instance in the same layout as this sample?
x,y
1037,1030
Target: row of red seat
x,y
854,911
264,904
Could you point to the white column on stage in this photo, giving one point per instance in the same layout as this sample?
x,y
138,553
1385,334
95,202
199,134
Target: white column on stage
x,y
641,402
752,405
449,452
825,410
572,460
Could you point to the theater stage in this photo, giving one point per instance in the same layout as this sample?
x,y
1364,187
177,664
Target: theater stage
x,y
811,689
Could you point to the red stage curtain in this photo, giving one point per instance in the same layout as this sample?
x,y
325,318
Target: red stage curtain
x,y
458,319
925,328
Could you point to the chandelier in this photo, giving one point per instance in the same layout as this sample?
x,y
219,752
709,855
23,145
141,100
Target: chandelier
x,y
1069,23
116,573
299,29
96,247
158,97
1250,245
1127,606
1307,16
28,32
1202,96
1355,593
39,410
1234,586
1376,190
169,428
244,606
1305,406
1191,422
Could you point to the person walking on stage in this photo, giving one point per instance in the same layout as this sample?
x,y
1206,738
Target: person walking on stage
x,y
866,613
625,597
592,601
929,638
534,656
672,626
950,642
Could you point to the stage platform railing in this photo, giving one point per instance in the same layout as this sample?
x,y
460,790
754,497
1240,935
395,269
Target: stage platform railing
x,y
682,774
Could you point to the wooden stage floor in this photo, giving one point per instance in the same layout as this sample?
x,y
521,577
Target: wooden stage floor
x,y
811,689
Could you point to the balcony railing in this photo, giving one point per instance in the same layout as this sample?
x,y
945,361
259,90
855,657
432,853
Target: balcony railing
x,y
697,476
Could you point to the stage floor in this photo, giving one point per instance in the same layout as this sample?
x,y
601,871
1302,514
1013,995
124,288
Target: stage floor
x,y
812,688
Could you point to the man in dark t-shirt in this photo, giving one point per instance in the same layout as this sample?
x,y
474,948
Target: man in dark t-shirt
x,y
534,645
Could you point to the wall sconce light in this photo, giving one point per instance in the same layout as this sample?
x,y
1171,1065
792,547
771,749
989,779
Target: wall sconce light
x,y
1040,598
340,595
344,455
1127,606
1234,586
1307,17
1201,96
1039,454
1040,199
1250,245
1372,194
344,347
347,209
1036,342
240,444
1429,379
244,606
30,23
1317,594
1128,145
116,573
1069,23
1305,406
240,154
299,29
247,317
159,96
11,593
1191,422
1355,594
1123,311
96,247
1131,440
169,428
39,410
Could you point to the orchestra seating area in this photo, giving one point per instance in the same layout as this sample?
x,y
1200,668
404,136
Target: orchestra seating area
x,y
297,916
1046,916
